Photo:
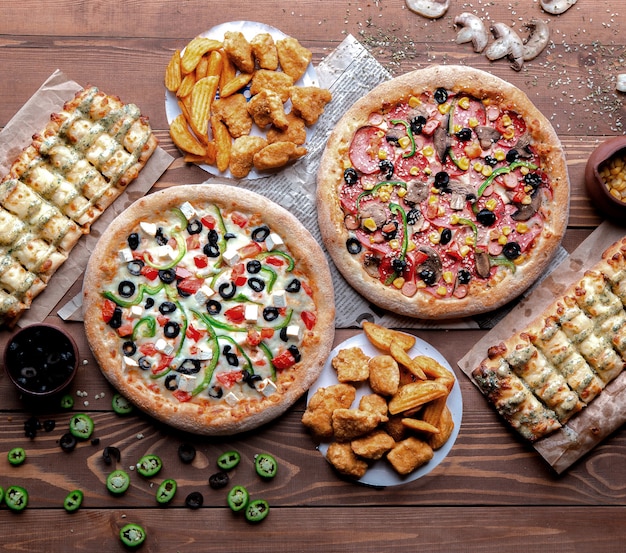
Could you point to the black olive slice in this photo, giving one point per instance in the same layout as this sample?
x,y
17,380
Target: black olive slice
x,y
464,276
129,348
440,95
213,307
67,442
194,226
186,453
167,307
257,284
270,313
446,236
211,250
386,168
111,453
167,275
189,366
295,352
144,363
486,217
135,266
227,290
512,250
171,382
219,480
253,266
194,500
350,176
259,234
230,236
116,319
160,237
293,286
126,288
353,245
133,240
171,329
213,237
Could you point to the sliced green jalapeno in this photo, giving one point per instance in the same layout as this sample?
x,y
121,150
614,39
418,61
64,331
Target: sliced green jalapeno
x,y
149,465
67,401
257,510
16,456
81,426
121,405
228,460
265,465
166,491
238,498
16,498
73,501
132,535
118,482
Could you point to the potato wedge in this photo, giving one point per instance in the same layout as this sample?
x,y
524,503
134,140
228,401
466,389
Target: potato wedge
x,y
433,369
173,73
414,394
196,48
235,84
382,337
223,143
404,359
202,97
183,138
419,425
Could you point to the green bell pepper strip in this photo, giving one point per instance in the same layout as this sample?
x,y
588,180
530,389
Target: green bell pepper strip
x,y
472,225
132,535
409,133
284,255
503,262
502,171
238,498
143,289
166,491
16,498
182,218
145,327
182,250
1,494
268,353
362,195
395,209
73,501
273,276
215,350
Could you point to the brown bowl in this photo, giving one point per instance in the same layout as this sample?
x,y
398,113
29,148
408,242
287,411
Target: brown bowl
x,y
597,187
41,360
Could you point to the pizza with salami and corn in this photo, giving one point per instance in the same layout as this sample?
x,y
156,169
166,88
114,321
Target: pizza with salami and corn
x,y
442,193
209,307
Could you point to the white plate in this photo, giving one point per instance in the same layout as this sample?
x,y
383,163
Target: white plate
x,y
249,29
381,473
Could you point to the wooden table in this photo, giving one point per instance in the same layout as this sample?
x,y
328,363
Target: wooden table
x,y
493,492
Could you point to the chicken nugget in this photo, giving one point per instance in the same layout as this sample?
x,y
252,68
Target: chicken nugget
x,y
276,81
309,102
318,414
293,57
233,112
384,375
395,428
351,365
409,454
239,51
264,50
266,108
242,154
277,155
374,445
352,423
295,131
375,404
345,461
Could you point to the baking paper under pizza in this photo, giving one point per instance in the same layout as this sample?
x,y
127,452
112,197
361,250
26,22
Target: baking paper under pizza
x,y
442,193
210,307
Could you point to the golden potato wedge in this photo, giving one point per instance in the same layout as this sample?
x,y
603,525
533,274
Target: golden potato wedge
x,y
433,411
434,369
173,74
419,425
202,97
229,71
404,359
202,66
183,138
414,394
235,84
186,86
382,337
446,427
215,62
223,143
196,48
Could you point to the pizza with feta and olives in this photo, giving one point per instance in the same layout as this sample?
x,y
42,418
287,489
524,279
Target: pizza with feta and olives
x,y
209,307
442,193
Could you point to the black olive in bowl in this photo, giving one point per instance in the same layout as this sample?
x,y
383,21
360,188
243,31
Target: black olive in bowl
x,y
41,360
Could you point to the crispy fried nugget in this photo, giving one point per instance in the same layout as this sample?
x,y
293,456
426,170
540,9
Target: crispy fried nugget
x,y
242,154
395,428
295,131
309,102
349,424
374,445
277,154
264,50
232,111
375,404
276,81
384,375
266,108
293,57
319,411
239,50
345,461
351,365
409,454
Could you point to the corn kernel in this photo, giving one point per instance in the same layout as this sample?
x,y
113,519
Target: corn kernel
x,y
434,237
414,102
410,246
509,133
524,170
486,170
494,234
499,155
478,166
612,174
469,240
346,164
432,200
454,219
384,197
457,128
380,134
394,244
401,192
369,185
526,200
420,284
502,240
382,154
506,120
463,163
465,250
473,122
414,170
442,291
404,142
464,103
443,108
522,228
428,151
399,282
448,277
441,211
487,102
369,224
491,204
506,230
428,171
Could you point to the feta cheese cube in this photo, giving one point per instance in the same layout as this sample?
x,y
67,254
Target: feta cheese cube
x,y
205,353
204,293
293,331
231,399
164,252
129,363
148,228
279,298
251,312
273,241
186,382
136,311
188,210
231,256
266,387
162,346
126,255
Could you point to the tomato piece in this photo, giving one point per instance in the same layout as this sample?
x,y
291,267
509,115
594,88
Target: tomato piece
x,y
208,221
149,272
239,219
148,349
254,338
235,314
250,250
194,334
228,379
201,261
162,320
237,274
275,260
307,289
126,329
284,360
162,364
190,285
193,241
267,333
182,396
108,308
309,319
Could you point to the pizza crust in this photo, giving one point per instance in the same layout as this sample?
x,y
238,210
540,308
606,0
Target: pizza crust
x,y
202,416
484,296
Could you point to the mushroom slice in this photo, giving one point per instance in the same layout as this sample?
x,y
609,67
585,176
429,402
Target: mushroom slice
x,y
487,136
507,44
537,40
555,7
472,30
433,9
483,265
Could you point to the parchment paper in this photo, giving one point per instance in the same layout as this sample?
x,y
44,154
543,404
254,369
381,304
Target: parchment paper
x,y
604,414
32,118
